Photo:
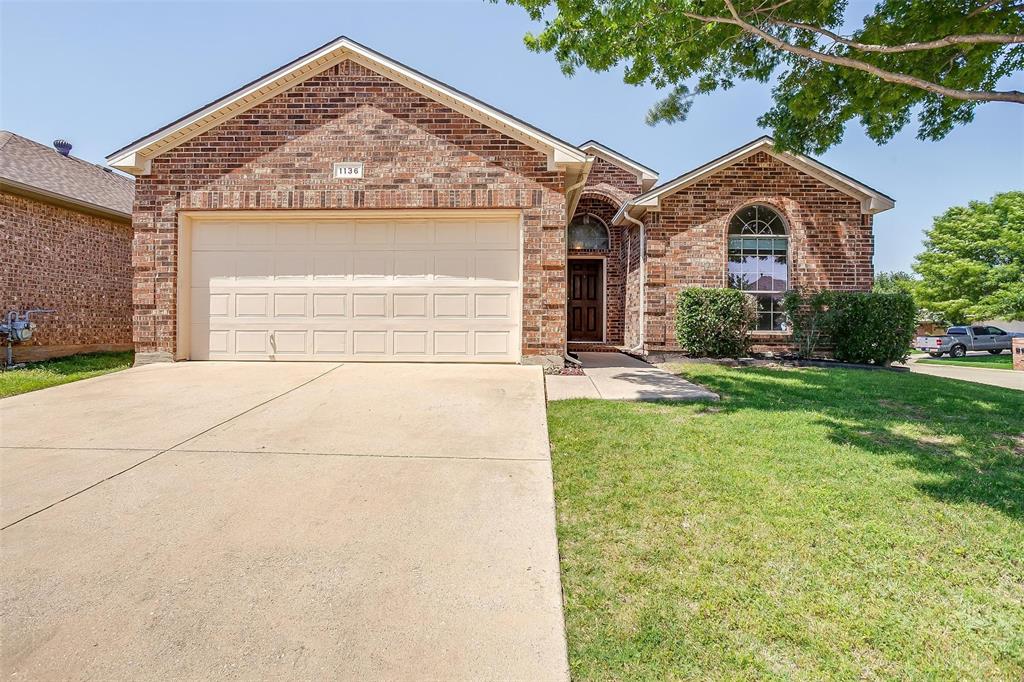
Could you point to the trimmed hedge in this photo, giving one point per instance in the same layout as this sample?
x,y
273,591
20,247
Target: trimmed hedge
x,y
865,328
714,323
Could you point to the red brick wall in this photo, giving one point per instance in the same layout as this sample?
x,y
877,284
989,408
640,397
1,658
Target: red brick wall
x,y
602,171
75,263
631,253
831,243
614,273
417,154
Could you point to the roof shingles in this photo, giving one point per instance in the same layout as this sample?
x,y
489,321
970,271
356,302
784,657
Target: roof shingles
x,y
37,167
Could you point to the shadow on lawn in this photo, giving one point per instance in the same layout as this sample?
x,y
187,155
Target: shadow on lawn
x,y
967,437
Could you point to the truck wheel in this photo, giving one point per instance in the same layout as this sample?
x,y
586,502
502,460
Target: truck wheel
x,y
935,355
996,351
958,351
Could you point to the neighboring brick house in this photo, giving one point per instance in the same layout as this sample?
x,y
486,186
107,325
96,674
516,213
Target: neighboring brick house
x,y
65,245
346,206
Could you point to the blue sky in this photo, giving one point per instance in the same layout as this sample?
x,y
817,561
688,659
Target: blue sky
x,y
103,74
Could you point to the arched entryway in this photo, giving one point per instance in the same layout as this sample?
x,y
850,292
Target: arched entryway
x,y
594,273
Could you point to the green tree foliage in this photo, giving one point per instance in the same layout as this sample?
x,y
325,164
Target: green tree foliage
x,y
894,283
936,58
972,267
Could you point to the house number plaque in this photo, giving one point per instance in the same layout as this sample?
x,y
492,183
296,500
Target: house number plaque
x,y
346,170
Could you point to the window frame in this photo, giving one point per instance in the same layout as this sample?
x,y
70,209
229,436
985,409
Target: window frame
x,y
776,296
600,221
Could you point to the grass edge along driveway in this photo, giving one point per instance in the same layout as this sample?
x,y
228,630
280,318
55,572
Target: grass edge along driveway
x,y
38,375
814,524
1001,361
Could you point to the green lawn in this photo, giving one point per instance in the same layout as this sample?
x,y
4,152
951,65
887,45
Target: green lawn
x,y
814,524
48,373
1004,361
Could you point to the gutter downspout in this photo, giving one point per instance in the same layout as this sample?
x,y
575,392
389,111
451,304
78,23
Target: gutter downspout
x,y
643,279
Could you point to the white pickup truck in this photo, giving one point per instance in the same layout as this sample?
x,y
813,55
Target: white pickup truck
x,y
959,340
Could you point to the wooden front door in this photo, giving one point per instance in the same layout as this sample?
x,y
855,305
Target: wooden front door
x,y
586,300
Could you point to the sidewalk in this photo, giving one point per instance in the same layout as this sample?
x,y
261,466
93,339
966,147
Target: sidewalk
x,y
616,376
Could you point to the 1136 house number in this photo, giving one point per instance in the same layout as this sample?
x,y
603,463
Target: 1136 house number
x,y
346,170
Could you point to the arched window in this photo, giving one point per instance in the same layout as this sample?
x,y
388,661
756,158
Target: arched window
x,y
588,232
759,262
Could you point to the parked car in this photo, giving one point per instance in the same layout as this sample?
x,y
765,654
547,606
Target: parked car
x,y
959,340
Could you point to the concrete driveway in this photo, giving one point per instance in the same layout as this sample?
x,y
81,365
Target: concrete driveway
x,y
1004,378
260,520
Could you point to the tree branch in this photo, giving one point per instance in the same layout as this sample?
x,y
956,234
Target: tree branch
x,y
992,3
888,76
948,41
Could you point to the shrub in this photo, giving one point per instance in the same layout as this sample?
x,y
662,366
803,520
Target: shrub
x,y
808,319
860,327
714,322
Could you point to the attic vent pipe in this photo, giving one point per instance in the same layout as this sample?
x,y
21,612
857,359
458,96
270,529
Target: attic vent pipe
x,y
63,147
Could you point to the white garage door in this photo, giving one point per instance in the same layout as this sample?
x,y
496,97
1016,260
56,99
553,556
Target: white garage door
x,y
399,290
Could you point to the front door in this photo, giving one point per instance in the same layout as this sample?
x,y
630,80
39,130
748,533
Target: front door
x,y
586,300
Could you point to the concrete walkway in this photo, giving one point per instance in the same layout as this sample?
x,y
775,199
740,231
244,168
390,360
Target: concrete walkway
x,y
1004,378
617,376
281,521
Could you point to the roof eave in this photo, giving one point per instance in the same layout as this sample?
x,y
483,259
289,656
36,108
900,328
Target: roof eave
x,y
872,201
32,192
646,176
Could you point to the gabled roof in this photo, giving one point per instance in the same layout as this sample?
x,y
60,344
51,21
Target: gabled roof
x,y
872,201
27,167
135,157
647,176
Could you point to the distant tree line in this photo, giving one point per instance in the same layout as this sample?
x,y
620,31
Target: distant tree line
x,y
972,266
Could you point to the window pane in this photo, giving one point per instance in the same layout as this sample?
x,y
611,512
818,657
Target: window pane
x,y
587,232
757,219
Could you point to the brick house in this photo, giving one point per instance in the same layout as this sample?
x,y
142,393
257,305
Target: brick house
x,y
65,245
346,206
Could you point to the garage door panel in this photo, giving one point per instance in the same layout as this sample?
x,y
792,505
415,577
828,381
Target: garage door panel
x,y
413,234
290,305
409,305
416,265
332,265
293,235
457,232
291,266
214,236
496,267
369,305
411,290
329,305
372,232
327,342
254,265
292,342
252,341
495,343
498,306
372,265
334,233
